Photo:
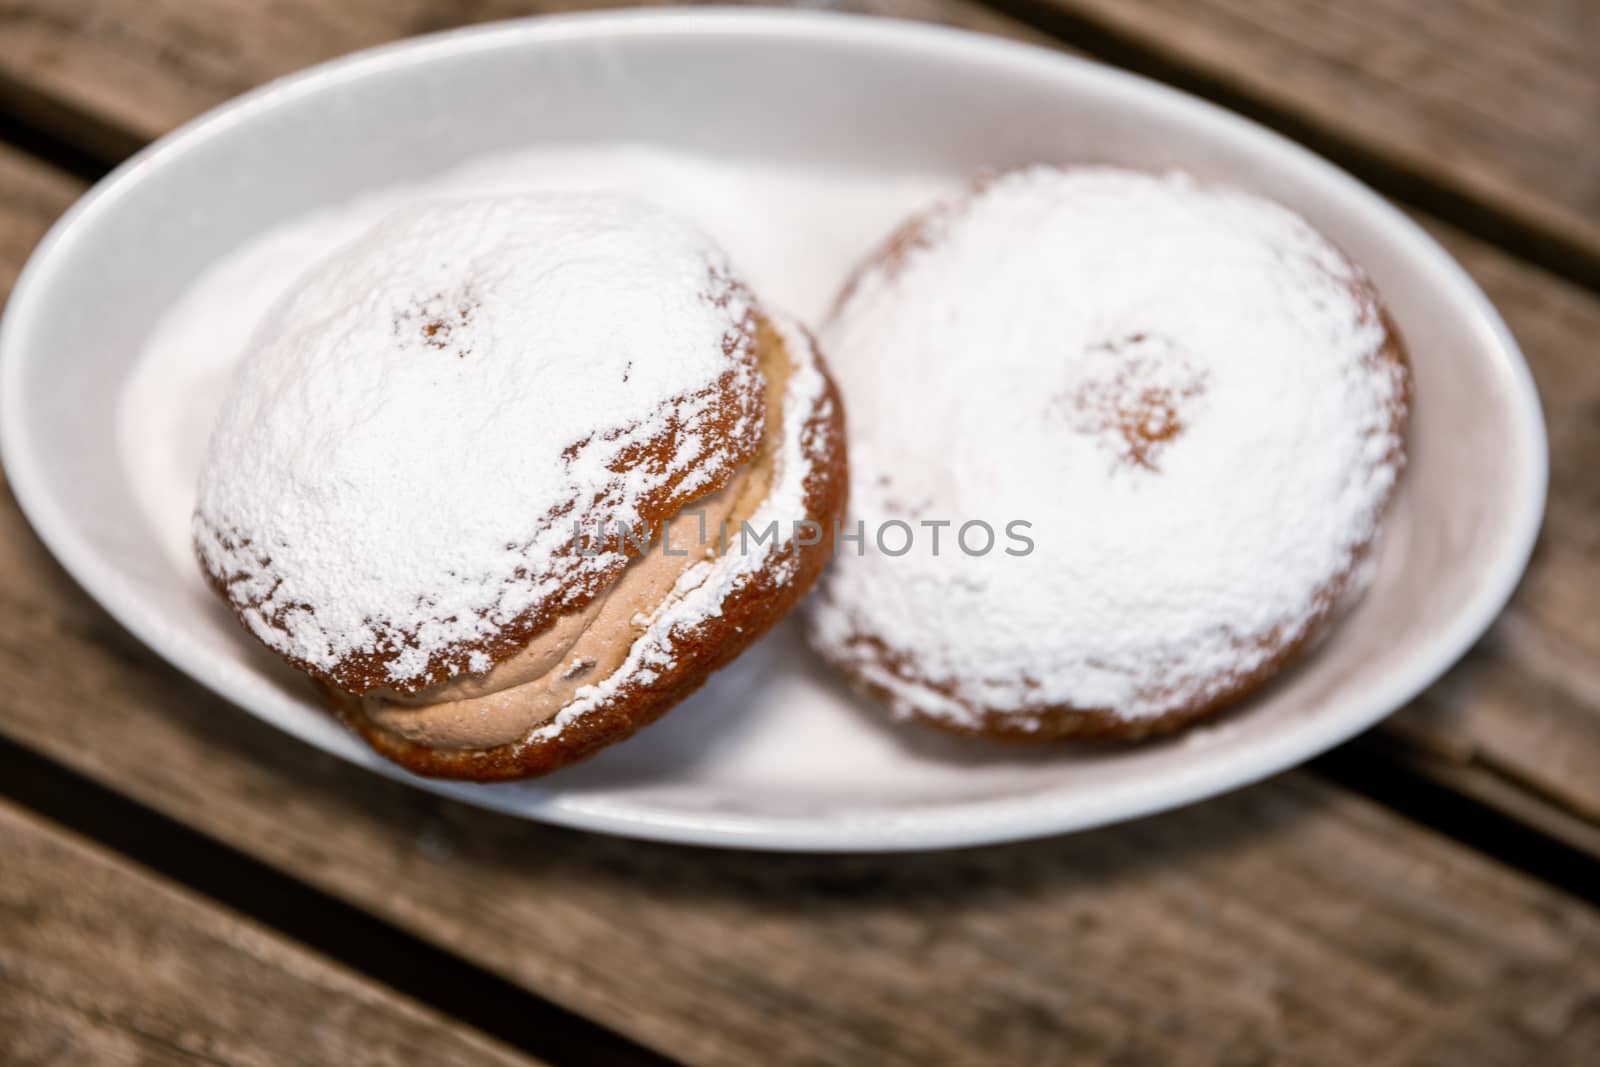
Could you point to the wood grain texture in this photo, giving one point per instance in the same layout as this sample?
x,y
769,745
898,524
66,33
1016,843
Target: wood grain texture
x,y
1527,710
1494,100
103,963
1526,703
1499,102
1289,921
1408,80
1286,921
33,196
112,74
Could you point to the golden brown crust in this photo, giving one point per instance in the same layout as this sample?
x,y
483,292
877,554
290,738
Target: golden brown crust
x,y
754,606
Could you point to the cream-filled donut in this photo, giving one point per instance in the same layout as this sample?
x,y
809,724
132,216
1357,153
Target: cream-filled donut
x,y
1177,410
472,473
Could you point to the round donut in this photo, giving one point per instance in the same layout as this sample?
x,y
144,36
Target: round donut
x,y
474,475
1157,424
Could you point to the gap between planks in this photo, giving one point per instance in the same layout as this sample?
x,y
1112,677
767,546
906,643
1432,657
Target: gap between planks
x,y
1407,750
1575,1059
102,962
1530,235
445,983
111,78
1484,757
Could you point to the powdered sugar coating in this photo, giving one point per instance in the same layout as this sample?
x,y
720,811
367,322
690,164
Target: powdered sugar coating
x,y
414,431
1189,394
702,592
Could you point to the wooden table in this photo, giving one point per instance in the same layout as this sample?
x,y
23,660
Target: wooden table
x,y
181,884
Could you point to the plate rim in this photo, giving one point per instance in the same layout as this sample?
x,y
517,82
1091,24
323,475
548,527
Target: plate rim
x,y
972,823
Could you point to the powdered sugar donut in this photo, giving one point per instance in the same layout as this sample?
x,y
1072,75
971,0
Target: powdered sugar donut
x,y
448,478
1178,410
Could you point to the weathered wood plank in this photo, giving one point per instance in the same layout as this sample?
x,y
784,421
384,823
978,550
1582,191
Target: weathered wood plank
x,y
1287,921
116,73
34,195
990,927
1529,709
103,963
1459,85
1496,101
1527,702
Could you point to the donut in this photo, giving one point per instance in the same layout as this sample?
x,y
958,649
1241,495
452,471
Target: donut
x,y
1121,444
510,477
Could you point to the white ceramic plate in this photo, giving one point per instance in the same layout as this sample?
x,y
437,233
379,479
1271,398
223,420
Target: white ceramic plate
x,y
772,754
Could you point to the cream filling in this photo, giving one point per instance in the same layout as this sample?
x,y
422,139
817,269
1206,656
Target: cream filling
x,y
583,647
